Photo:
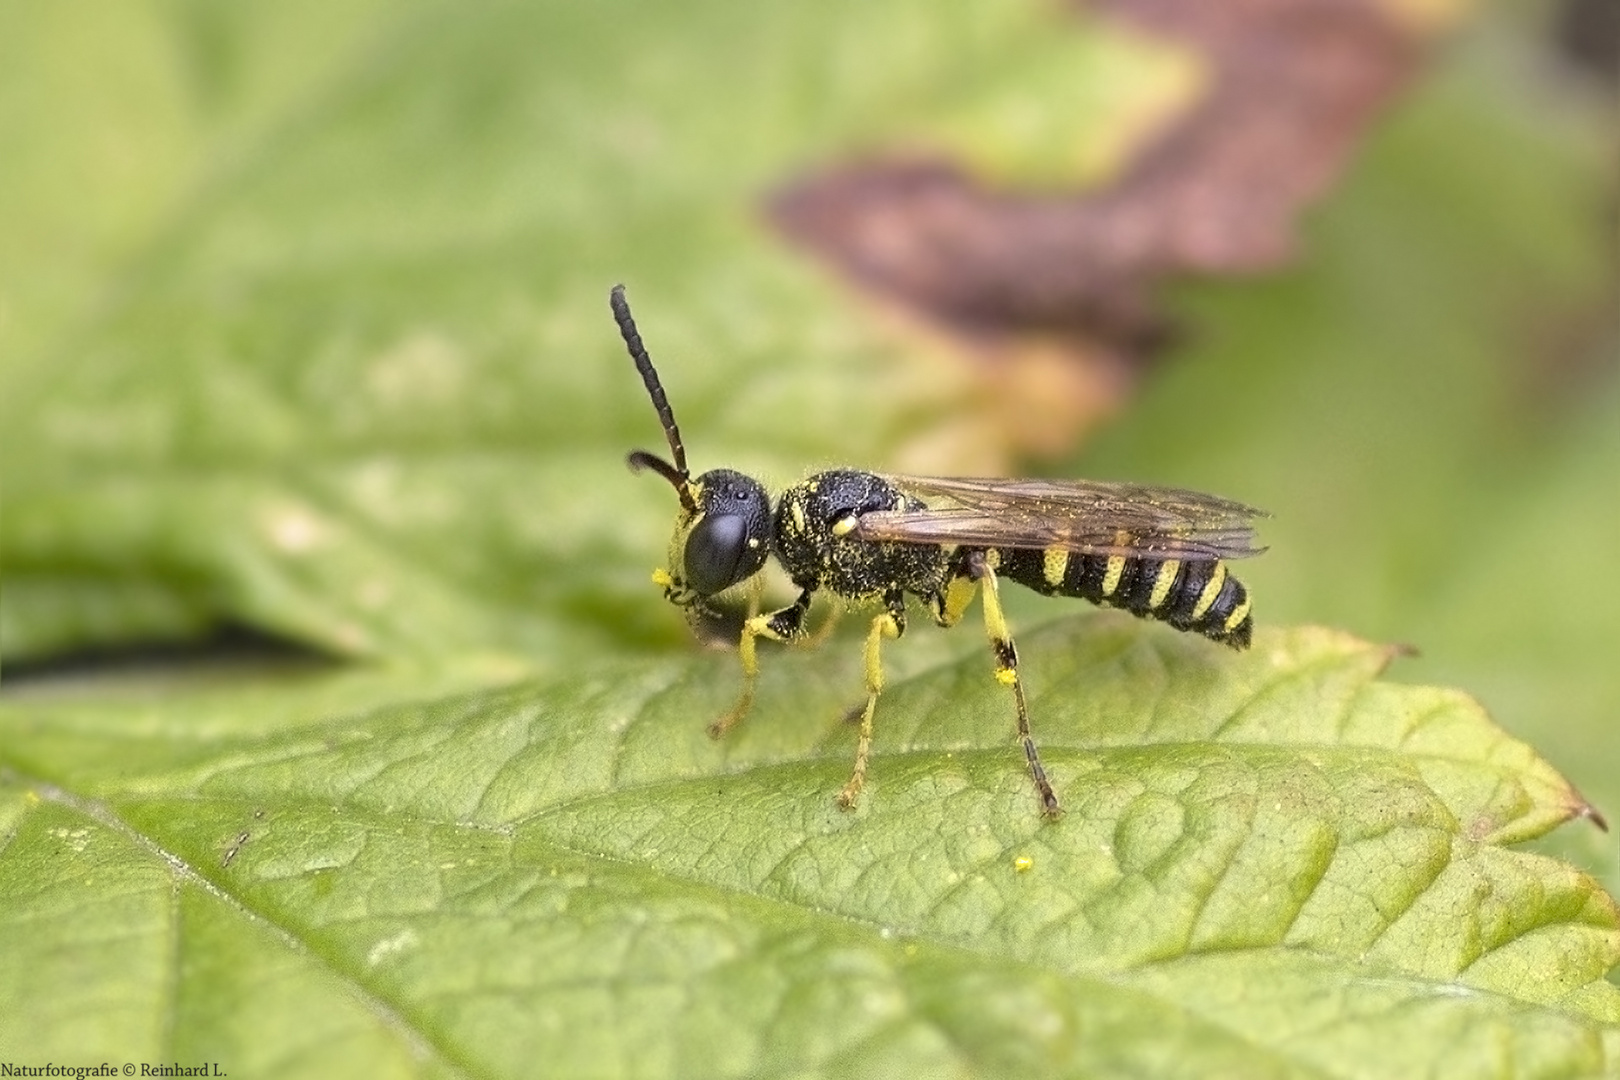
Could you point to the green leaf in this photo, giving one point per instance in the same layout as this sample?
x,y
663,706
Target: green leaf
x,y
302,325
1274,861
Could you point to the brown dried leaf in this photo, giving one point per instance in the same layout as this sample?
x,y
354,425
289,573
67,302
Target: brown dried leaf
x,y
1294,85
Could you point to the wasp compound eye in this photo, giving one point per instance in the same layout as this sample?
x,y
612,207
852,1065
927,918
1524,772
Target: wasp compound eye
x,y
717,553
731,541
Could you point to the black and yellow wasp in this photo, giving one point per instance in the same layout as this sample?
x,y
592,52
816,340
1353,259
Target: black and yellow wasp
x,y
870,539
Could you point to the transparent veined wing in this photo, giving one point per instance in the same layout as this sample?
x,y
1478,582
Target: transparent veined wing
x,y
1090,517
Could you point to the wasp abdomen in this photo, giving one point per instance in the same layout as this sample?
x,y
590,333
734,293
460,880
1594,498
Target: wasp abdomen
x,y
1196,595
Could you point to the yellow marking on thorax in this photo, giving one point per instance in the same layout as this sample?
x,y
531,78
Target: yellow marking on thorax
x,y
1162,583
1116,570
1054,566
845,525
1239,613
992,558
797,512
1212,589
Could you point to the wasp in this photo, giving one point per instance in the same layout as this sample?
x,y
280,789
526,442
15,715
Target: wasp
x,y
873,539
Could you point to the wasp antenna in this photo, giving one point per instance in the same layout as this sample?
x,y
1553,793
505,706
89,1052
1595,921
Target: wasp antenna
x,y
642,459
679,476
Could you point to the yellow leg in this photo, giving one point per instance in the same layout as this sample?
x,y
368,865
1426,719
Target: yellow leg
x,y
819,636
884,625
1001,644
753,628
953,603
778,626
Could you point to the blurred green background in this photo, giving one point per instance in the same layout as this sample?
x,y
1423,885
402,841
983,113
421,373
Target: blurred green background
x,y
303,328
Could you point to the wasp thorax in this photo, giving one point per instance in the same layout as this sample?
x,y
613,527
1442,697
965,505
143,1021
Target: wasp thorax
x,y
816,538
730,538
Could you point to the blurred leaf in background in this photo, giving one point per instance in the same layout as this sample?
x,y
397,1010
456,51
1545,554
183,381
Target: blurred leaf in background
x,y
303,329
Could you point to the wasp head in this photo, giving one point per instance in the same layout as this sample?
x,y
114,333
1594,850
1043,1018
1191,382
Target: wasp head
x,y
722,534
725,542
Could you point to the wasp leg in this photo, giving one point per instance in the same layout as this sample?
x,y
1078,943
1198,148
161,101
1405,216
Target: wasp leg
x,y
951,602
891,623
1006,653
782,625
756,593
819,636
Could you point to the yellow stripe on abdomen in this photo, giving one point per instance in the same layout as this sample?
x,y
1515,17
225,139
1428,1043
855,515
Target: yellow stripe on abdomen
x,y
1116,570
1054,566
1212,590
1239,613
1162,583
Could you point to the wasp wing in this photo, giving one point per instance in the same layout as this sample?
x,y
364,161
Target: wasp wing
x,y
1090,517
